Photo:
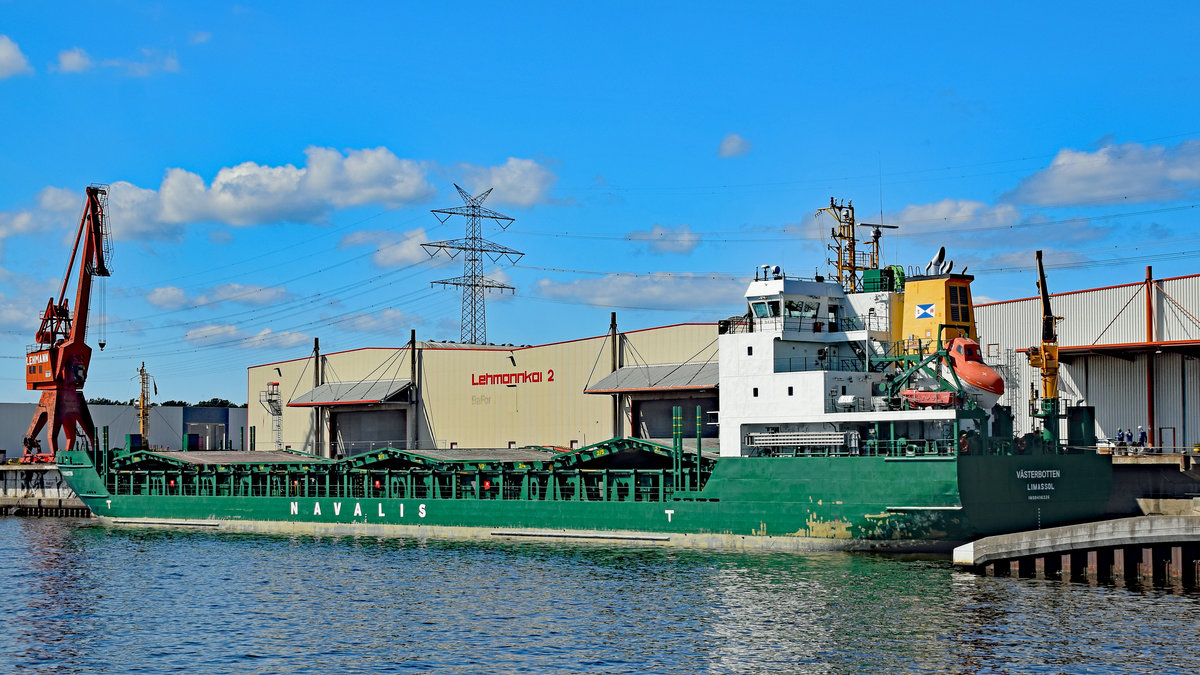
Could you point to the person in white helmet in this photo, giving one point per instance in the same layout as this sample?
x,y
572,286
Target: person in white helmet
x,y
1141,437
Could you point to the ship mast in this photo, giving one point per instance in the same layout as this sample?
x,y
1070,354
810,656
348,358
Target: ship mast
x,y
846,259
143,409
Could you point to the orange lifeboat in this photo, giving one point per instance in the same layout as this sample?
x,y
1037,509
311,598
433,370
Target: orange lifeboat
x,y
978,379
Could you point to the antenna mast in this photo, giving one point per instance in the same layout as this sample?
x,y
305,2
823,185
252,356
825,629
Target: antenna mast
x,y
143,409
848,261
474,284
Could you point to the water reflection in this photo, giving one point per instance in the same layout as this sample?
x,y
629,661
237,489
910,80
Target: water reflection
x,y
90,599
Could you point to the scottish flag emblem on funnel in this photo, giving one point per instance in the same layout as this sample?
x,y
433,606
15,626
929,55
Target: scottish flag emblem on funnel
x,y
925,311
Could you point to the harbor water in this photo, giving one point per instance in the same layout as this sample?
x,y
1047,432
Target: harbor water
x,y
80,597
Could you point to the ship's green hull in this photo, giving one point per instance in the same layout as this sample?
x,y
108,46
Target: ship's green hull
x,y
840,502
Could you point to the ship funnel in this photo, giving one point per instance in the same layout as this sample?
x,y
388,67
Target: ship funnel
x,y
935,265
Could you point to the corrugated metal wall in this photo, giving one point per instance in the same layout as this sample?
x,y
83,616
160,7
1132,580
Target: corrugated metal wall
x,y
1116,386
1177,300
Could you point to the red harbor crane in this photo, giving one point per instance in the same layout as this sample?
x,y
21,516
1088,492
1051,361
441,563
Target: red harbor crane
x,y
57,364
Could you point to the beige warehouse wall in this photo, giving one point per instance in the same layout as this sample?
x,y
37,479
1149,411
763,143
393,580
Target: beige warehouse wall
x,y
486,396
469,401
295,377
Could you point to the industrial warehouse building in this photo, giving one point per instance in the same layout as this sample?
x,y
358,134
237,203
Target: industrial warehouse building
x,y
209,428
1131,351
566,394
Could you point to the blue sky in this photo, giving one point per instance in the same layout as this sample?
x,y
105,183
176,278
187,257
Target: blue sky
x,y
273,165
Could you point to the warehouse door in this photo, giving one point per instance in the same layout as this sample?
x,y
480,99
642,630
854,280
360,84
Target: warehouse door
x,y
207,436
367,430
652,419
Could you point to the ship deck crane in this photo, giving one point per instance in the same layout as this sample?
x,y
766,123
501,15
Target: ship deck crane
x,y
1045,359
57,364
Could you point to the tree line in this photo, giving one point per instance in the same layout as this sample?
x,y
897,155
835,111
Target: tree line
x,y
210,403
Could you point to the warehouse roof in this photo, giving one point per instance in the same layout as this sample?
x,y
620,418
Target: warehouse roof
x,y
348,393
690,376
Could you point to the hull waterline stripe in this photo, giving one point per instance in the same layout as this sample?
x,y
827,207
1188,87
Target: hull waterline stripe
x,y
172,523
581,535
923,508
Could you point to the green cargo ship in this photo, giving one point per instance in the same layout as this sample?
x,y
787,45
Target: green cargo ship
x,y
855,413
888,496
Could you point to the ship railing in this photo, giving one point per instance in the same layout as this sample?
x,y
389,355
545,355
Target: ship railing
x,y
803,364
848,403
901,448
736,324
916,447
618,485
347,449
813,324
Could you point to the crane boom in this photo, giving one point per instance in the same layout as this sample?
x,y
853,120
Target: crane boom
x,y
1045,359
1049,333
57,363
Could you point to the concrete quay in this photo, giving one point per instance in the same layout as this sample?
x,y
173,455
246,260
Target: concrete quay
x,y
37,490
1143,550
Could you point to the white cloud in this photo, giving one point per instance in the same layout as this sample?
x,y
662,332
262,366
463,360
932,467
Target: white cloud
x,y
60,200
18,314
668,239
368,176
948,215
199,37
521,182
251,193
173,297
733,145
168,297
661,290
1129,172
248,294
393,249
266,338
135,214
385,321
152,61
12,61
56,208
21,310
212,334
74,60
233,336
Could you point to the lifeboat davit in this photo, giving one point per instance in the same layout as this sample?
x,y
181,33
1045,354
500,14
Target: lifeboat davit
x,y
978,379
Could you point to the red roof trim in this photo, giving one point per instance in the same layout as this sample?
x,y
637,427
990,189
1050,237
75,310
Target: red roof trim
x,y
1122,345
1089,290
317,403
496,348
621,391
